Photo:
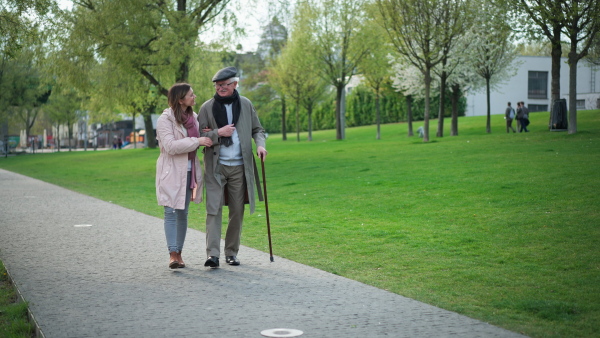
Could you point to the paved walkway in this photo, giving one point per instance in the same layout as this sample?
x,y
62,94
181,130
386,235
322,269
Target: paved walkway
x,y
110,279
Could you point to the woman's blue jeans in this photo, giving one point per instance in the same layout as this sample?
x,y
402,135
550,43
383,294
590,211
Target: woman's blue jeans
x,y
176,221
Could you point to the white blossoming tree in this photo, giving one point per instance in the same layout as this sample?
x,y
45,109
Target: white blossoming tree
x,y
492,51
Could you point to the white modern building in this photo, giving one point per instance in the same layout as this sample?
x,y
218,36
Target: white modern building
x,y
531,84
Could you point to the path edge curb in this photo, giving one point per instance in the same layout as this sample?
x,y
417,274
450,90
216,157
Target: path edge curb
x,y
30,316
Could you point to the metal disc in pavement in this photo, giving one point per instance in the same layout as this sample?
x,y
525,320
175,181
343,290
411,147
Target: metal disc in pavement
x,y
281,333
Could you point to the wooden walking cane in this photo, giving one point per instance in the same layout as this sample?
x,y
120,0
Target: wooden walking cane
x,y
262,163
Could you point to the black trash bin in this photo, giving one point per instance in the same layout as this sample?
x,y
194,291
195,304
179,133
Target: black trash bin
x,y
558,117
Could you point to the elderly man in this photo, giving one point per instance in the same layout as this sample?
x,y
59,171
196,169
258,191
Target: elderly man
x,y
231,122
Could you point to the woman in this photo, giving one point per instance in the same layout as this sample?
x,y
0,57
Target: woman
x,y
178,170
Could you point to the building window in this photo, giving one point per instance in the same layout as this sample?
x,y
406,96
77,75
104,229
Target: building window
x,y
537,85
580,104
537,107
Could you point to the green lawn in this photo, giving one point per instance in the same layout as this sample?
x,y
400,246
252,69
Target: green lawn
x,y
500,227
13,313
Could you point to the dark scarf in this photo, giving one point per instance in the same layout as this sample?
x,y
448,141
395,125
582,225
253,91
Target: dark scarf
x,y
220,113
193,131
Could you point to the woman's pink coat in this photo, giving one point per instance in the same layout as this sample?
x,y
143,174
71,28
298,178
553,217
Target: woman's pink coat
x,y
172,164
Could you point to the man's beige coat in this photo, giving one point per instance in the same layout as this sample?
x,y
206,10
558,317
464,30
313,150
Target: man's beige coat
x,y
248,128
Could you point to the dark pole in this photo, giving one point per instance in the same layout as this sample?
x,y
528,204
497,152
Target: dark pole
x,y
262,163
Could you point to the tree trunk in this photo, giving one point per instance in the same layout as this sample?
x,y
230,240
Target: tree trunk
x,y
555,81
134,136
338,112
409,115
70,133
27,133
378,114
30,116
440,129
488,125
309,112
298,119
455,98
283,126
556,55
57,138
427,105
150,136
184,67
573,90
343,114
184,70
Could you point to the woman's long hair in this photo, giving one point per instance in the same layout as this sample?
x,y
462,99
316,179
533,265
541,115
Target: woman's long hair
x,y
177,92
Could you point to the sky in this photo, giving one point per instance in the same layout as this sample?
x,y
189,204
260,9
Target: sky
x,y
252,21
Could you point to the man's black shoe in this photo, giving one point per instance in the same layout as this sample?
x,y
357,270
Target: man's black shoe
x,y
212,262
232,260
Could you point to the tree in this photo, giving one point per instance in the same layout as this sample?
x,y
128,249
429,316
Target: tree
x,y
581,26
127,93
64,109
23,91
337,26
458,18
408,80
19,21
375,67
314,94
297,66
154,39
579,21
493,51
276,75
5,82
534,48
137,49
541,18
593,56
290,77
416,28
462,76
19,40
272,42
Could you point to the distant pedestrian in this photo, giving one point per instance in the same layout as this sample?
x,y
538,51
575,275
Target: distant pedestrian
x,y
509,115
525,115
178,170
521,118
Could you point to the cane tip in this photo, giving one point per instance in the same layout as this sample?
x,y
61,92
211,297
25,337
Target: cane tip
x,y
272,260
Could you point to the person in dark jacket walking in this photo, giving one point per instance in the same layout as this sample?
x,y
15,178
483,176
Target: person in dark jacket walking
x,y
525,118
509,115
521,118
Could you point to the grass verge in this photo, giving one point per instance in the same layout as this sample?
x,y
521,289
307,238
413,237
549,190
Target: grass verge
x,y
14,322
499,227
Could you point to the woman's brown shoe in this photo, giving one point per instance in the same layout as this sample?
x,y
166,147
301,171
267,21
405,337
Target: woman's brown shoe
x,y
173,260
180,260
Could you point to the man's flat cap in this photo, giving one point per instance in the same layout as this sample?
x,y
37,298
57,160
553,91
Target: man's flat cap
x,y
224,74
